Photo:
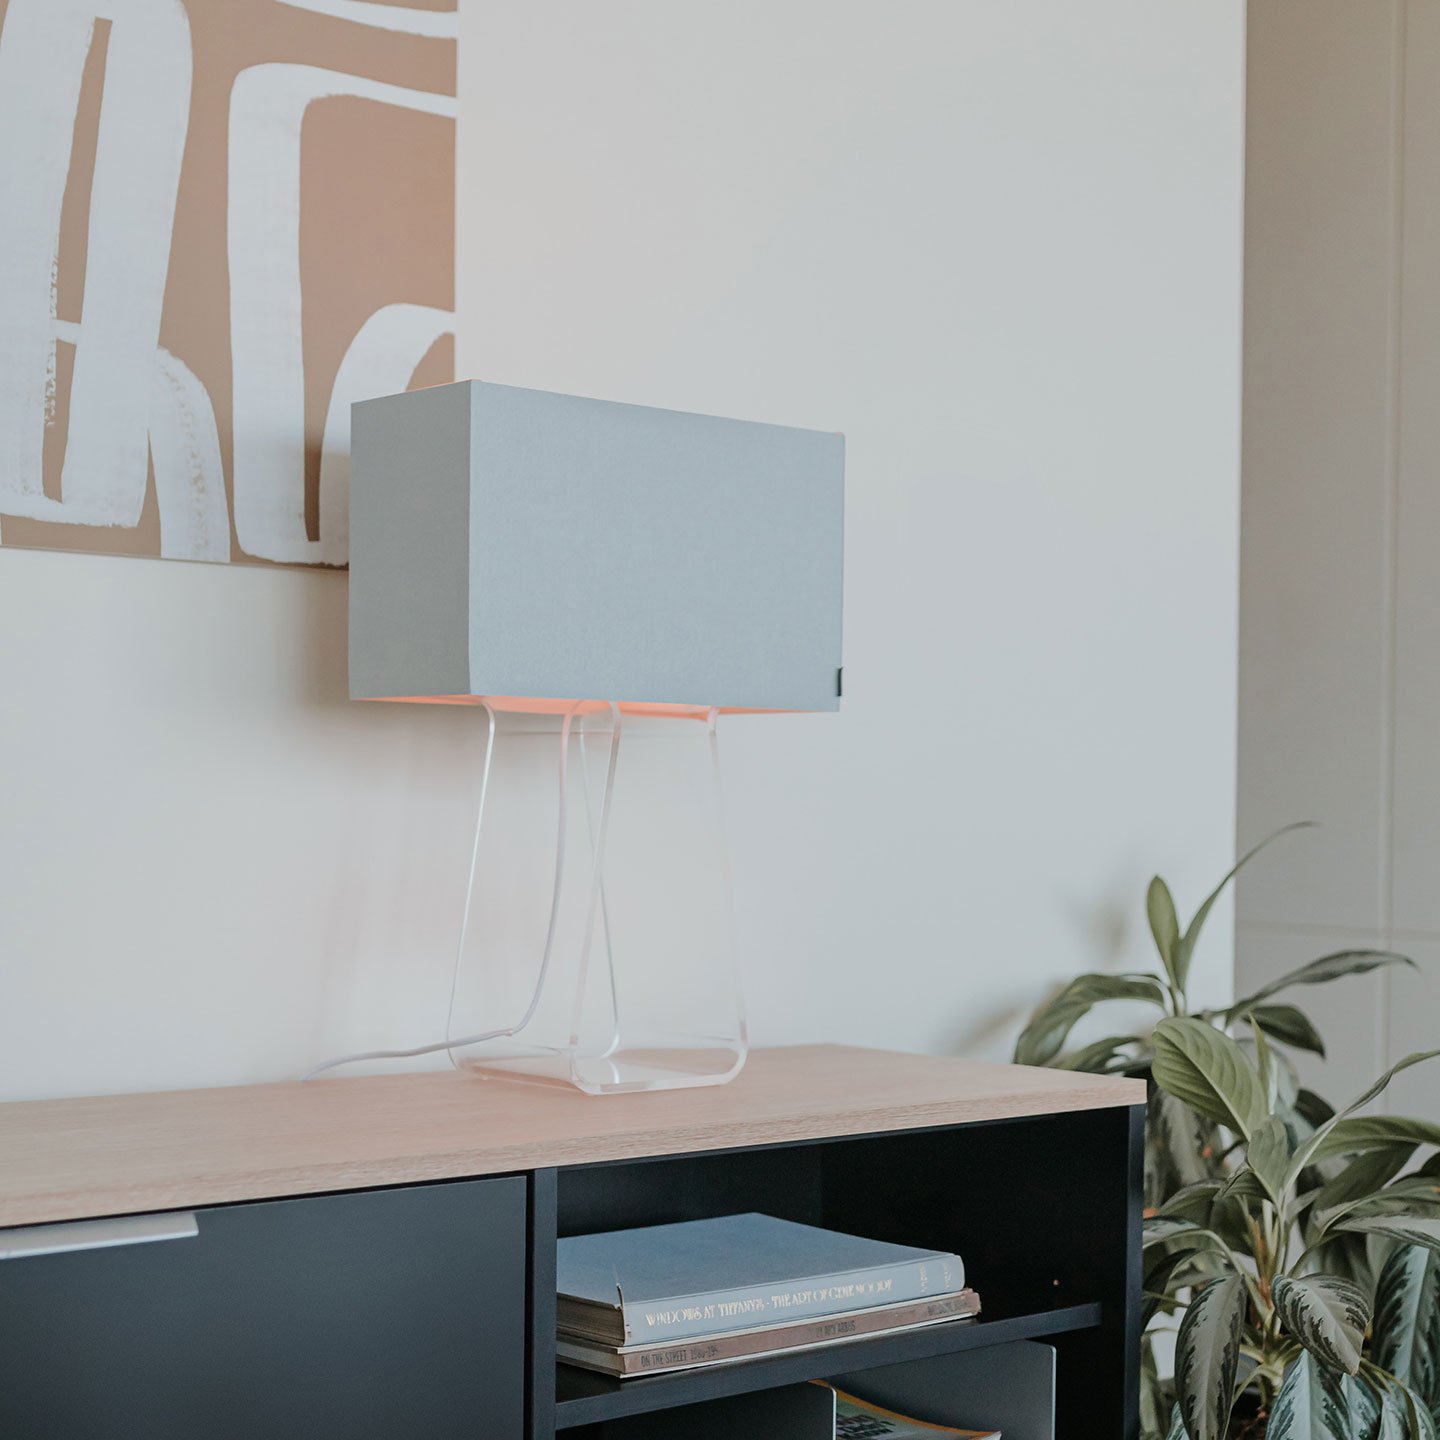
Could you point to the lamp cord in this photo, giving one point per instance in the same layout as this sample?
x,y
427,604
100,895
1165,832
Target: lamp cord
x,y
449,1044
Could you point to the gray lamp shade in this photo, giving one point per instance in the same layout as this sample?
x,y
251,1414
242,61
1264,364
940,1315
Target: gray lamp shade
x,y
518,544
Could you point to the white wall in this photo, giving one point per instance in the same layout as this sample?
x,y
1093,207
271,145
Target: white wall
x,y
995,243
1340,650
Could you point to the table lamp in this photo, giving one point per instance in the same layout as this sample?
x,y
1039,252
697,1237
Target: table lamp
x,y
582,568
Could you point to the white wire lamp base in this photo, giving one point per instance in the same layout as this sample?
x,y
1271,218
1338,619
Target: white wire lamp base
x,y
597,944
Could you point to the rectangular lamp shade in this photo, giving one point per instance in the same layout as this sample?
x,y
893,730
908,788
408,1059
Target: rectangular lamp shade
x,y
516,544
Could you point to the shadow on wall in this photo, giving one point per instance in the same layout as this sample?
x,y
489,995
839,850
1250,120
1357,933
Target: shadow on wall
x,y
1102,930
399,868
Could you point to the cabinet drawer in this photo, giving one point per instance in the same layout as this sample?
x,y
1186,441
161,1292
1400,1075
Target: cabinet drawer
x,y
382,1313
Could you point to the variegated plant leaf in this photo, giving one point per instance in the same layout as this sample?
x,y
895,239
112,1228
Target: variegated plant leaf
x,y
1159,1228
1206,1069
1377,1410
1287,1023
1407,1320
1415,1057
1419,1422
1259,1047
1164,925
1244,1186
1314,1108
1365,1407
1193,1201
1175,1258
1276,1070
1180,1147
1100,1057
1207,1354
1167,1274
1044,1037
1311,1403
1268,1155
1347,1256
1231,1220
1359,1134
1408,1229
1327,1315
1420,1191
1301,1124
1394,1418
1156,1404
1287,1083
1185,946
1351,1134
1359,1180
1041,1040
1322,971
1410,1195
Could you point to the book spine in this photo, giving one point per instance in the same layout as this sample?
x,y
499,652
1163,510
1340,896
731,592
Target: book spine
x,y
694,1316
816,1332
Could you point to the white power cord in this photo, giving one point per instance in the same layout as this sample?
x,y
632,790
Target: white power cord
x,y
450,1044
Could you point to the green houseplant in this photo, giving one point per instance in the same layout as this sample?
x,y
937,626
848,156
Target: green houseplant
x,y
1307,1279
1181,1144
1300,1258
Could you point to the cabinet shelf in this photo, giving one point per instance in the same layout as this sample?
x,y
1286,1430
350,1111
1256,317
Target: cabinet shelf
x,y
377,1256
584,1397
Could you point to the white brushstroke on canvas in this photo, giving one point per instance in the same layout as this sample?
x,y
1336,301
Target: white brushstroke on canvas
x,y
189,474
185,451
131,401
267,108
381,360
43,47
144,117
437,24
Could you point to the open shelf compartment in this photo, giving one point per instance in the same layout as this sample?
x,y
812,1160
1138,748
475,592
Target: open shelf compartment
x,y
1029,1204
1005,1387
584,1397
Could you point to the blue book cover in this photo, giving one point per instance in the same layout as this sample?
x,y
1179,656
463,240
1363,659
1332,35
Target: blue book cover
x,y
702,1277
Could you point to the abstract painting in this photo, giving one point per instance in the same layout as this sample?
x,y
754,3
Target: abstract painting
x,y
221,222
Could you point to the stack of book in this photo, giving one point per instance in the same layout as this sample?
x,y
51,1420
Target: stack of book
x,y
708,1292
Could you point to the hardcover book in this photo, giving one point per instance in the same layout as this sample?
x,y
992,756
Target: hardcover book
x,y
857,1419
704,1277
626,1361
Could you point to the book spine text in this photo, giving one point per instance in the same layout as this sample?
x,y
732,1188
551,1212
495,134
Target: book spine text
x,y
696,1316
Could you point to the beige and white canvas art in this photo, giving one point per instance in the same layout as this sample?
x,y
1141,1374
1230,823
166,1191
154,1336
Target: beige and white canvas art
x,y
221,222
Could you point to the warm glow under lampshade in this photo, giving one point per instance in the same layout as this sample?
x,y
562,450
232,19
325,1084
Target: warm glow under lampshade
x,y
517,543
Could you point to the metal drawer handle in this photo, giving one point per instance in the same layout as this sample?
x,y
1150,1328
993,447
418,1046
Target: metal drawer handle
x,y
27,1240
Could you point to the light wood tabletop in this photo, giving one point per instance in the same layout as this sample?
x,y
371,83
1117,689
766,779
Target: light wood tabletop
x,y
123,1154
